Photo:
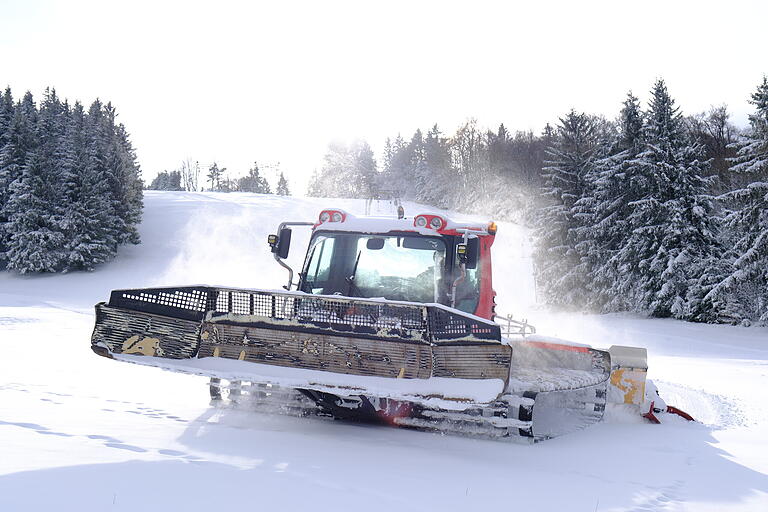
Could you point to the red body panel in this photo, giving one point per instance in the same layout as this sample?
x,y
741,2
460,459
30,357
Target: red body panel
x,y
486,302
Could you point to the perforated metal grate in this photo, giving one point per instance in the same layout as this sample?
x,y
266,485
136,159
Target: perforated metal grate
x,y
434,323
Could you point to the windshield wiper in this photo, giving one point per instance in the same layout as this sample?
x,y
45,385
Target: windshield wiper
x,y
351,279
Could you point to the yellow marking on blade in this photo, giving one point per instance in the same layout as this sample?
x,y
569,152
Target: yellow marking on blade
x,y
205,335
402,373
144,347
632,386
216,352
241,356
129,343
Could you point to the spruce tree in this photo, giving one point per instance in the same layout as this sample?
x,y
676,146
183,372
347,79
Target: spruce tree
x,y
364,174
124,178
90,240
37,204
70,188
333,179
348,171
397,172
254,182
9,161
6,115
214,176
435,183
418,168
673,232
747,223
606,208
557,259
282,186
160,182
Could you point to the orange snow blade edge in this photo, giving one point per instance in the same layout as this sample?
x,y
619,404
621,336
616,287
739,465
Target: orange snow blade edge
x,y
555,346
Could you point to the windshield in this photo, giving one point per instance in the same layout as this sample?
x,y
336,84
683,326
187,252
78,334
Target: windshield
x,y
406,267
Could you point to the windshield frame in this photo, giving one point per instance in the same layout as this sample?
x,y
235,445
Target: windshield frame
x,y
445,268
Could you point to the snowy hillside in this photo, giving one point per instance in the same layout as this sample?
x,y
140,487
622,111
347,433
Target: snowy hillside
x,y
80,432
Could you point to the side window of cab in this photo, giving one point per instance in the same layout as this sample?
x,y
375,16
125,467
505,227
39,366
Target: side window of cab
x,y
319,266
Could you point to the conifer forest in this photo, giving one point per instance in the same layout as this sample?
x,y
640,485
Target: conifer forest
x,y
70,185
654,212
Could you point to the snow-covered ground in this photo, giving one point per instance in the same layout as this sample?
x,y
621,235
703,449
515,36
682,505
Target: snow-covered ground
x,y
80,432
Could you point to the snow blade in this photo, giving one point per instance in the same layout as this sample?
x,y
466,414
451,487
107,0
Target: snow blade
x,y
407,364
567,384
353,346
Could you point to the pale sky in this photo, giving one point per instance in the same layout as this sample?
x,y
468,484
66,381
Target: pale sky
x,y
272,81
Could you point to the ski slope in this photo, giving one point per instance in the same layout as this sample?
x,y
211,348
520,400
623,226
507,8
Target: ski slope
x,y
79,432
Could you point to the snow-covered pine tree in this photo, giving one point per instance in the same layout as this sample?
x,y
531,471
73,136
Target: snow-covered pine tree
x,y
418,168
747,223
333,179
214,176
97,161
500,156
9,134
557,260
254,182
38,197
167,181
469,159
364,171
73,187
673,230
89,238
437,181
6,115
605,211
282,186
315,185
126,187
397,174
349,171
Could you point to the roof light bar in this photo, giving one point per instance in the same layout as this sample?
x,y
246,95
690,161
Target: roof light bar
x,y
430,221
332,216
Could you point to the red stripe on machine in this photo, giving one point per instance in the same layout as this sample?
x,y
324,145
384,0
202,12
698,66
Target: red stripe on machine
x,y
555,346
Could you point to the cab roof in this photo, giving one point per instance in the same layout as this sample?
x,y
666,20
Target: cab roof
x,y
335,219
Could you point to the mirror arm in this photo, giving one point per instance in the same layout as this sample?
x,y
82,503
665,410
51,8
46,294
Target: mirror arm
x,y
280,260
463,267
457,282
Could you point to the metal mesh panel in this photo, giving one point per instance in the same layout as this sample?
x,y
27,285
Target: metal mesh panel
x,y
450,326
384,319
144,333
187,302
319,310
472,362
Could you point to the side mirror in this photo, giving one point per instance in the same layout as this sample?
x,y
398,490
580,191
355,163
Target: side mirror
x,y
280,244
469,253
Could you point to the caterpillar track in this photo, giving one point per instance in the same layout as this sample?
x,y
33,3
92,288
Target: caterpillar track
x,y
510,417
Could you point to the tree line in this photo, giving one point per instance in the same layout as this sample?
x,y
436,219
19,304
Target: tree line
x,y
655,215
654,212
489,171
188,175
70,186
